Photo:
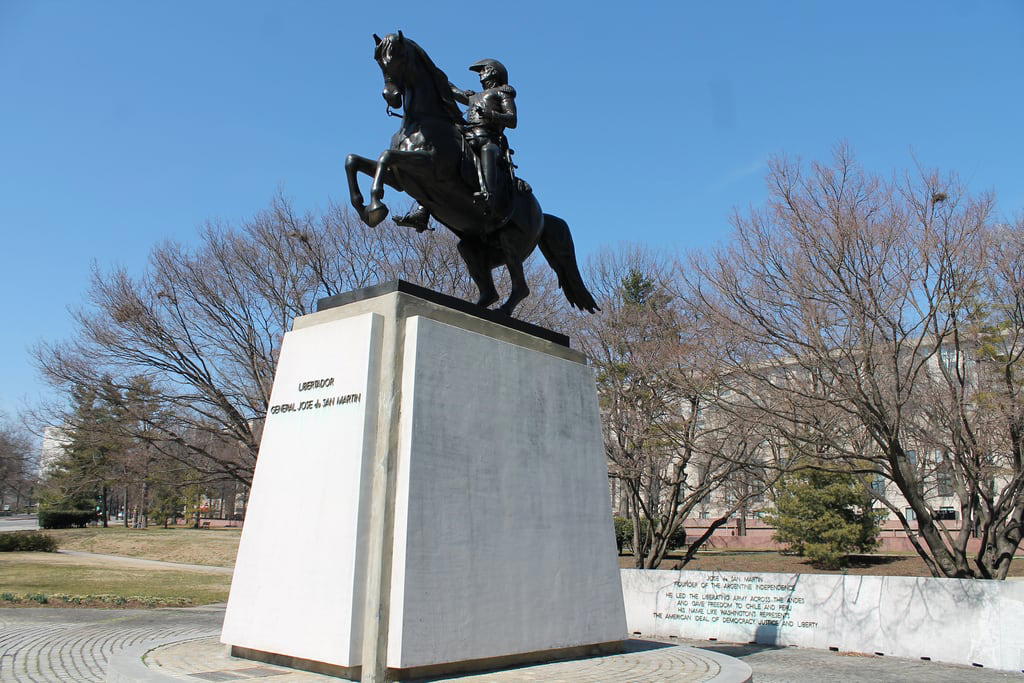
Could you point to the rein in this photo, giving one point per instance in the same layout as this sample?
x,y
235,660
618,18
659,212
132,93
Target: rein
x,y
425,115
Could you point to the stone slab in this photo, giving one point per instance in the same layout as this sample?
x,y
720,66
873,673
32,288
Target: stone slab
x,y
297,588
444,300
503,534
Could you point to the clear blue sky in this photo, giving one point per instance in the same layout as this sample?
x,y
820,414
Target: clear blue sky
x,y
123,124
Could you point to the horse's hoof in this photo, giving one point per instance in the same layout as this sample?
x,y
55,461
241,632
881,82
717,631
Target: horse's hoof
x,y
375,214
485,301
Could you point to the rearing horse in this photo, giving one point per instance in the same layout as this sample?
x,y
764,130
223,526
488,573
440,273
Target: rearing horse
x,y
429,160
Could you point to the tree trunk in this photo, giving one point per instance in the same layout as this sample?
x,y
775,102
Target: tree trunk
x,y
104,507
144,505
692,548
229,510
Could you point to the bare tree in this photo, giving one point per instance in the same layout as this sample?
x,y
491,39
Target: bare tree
x,y
203,325
659,384
860,307
972,410
17,465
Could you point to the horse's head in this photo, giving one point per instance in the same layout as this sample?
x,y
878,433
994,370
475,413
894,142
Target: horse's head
x,y
392,54
406,66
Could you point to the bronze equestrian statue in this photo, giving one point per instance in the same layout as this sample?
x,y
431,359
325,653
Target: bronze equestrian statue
x,y
460,171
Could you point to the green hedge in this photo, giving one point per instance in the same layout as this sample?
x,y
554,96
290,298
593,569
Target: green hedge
x,y
21,541
65,519
624,534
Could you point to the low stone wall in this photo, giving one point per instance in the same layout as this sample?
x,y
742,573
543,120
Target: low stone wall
x,y
959,621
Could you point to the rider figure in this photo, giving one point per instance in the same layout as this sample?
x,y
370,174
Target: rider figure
x,y
489,113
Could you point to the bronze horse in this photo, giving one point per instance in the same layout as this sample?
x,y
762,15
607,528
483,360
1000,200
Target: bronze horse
x,y
429,160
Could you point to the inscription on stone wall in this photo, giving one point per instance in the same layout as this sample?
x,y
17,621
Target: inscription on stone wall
x,y
316,403
726,599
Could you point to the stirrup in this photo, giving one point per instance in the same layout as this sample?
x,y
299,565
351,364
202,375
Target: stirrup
x,y
483,200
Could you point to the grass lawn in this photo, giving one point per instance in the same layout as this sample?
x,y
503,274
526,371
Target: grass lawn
x,y
50,574
904,564
216,547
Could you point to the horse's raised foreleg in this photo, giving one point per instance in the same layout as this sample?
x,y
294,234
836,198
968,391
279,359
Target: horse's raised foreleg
x,y
355,164
393,161
520,290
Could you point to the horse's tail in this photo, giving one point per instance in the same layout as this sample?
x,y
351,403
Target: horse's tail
x,y
557,247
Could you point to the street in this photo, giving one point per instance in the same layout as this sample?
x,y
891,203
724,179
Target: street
x,y
18,523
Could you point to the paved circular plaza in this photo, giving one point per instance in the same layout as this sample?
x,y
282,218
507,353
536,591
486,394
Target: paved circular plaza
x,y
45,645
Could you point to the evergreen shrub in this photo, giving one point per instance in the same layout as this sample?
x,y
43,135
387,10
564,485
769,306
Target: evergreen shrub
x,y
824,516
27,541
65,519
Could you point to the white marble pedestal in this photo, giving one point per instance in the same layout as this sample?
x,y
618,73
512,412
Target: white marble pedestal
x,y
431,497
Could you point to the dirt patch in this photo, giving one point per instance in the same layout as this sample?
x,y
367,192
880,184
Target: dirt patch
x,y
215,547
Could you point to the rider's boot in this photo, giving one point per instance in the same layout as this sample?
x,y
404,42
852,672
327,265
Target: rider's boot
x,y
417,219
488,177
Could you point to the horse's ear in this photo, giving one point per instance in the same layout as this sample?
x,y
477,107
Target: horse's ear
x,y
376,39
400,36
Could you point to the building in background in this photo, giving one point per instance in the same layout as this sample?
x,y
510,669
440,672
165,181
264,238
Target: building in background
x,y
55,439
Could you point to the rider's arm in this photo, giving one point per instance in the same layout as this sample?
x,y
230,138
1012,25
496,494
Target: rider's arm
x,y
507,116
461,96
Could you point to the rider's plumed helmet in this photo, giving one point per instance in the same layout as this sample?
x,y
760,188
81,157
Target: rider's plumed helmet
x,y
501,73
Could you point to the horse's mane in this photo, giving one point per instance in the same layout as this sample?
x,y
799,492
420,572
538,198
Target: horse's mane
x,y
439,78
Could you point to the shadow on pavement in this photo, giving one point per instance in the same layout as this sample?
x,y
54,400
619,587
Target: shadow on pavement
x,y
739,650
638,645
629,645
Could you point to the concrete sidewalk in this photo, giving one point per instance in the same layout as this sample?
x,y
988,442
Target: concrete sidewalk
x,y
779,664
125,561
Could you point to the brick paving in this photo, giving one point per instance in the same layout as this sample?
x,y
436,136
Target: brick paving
x,y
44,645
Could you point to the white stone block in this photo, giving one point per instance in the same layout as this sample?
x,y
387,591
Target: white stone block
x,y
493,513
961,621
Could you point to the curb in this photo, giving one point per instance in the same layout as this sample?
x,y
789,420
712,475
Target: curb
x,y
127,666
731,670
